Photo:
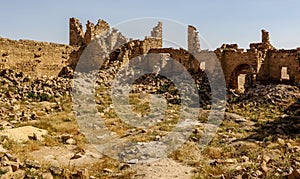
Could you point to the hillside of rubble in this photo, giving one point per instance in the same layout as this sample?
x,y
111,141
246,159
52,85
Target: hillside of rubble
x,y
40,136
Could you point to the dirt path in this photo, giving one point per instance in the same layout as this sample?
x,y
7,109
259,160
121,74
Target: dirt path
x,y
164,168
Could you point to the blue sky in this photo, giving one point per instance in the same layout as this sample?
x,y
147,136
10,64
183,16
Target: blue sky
x,y
218,21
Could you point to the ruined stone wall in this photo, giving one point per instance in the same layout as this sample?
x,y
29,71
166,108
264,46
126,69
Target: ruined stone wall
x,y
233,60
157,31
283,58
94,45
96,56
180,55
193,40
76,36
34,58
265,40
80,38
262,60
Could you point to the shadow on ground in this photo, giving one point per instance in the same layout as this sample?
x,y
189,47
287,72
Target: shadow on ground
x,y
287,126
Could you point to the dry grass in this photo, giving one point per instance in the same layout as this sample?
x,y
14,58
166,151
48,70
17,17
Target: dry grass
x,y
64,122
22,150
109,168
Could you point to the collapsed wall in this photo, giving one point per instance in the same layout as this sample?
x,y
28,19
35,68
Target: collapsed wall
x,y
33,57
260,63
80,38
102,43
193,40
157,31
235,61
284,66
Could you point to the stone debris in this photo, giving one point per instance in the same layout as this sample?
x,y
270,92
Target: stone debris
x,y
71,141
32,164
55,170
235,117
22,92
277,94
294,175
12,168
18,87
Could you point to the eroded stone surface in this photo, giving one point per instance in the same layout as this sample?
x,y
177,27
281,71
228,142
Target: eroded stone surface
x,y
23,134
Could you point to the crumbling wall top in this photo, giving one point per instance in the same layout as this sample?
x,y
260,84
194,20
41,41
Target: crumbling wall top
x,y
79,38
265,43
229,48
76,33
101,28
157,31
193,40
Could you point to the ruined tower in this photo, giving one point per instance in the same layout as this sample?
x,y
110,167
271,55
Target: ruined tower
x,y
193,40
76,33
265,39
89,33
157,31
79,38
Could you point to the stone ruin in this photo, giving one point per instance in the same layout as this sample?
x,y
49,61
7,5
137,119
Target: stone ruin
x,y
261,63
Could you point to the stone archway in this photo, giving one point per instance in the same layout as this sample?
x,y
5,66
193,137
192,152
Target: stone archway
x,y
242,78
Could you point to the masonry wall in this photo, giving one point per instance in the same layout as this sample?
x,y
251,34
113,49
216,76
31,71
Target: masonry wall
x,y
80,38
283,58
262,60
34,58
180,55
233,60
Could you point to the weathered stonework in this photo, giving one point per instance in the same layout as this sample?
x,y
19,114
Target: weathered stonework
x,y
193,40
76,33
34,58
79,38
260,63
157,31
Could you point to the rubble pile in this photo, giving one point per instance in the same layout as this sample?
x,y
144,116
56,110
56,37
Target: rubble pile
x,y
276,94
23,87
17,89
12,167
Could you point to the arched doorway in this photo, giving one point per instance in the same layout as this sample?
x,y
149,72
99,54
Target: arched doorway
x,y
242,78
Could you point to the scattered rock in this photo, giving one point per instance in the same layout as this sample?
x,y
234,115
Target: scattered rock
x,y
65,137
295,174
11,157
133,161
19,174
245,159
125,166
32,164
83,173
106,170
66,173
47,175
6,169
257,173
71,141
280,141
235,117
14,165
276,94
77,156
55,170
